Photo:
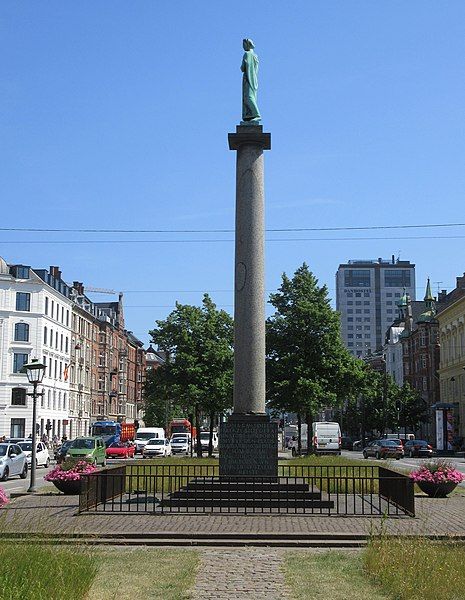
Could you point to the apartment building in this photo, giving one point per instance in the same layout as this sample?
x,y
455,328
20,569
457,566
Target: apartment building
x,y
95,368
35,322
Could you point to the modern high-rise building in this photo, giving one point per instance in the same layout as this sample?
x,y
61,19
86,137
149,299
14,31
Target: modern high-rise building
x,y
366,295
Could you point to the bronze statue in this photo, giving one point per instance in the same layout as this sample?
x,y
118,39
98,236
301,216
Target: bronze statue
x,y
249,68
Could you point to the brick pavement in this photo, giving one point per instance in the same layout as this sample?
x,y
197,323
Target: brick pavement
x,y
57,514
241,574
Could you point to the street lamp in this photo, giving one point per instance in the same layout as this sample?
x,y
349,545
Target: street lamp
x,y
35,372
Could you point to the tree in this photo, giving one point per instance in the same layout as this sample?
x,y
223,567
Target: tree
x,y
198,373
308,366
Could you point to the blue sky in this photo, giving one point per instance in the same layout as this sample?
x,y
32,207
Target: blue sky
x,y
116,114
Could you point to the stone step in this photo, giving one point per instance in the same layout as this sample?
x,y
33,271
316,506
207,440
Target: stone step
x,y
249,486
256,494
168,540
221,502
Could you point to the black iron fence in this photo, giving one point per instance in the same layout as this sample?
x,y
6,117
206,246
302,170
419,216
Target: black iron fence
x,y
298,490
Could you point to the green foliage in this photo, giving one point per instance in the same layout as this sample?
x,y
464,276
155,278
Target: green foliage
x,y
45,572
197,376
308,366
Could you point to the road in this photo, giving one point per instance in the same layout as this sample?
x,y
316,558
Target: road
x,y
17,485
409,463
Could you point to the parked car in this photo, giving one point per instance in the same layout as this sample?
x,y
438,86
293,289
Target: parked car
x,y
92,448
144,434
12,461
180,444
347,443
120,450
383,449
418,448
61,451
157,447
42,455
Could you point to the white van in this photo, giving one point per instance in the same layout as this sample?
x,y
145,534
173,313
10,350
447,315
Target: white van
x,y
326,437
144,434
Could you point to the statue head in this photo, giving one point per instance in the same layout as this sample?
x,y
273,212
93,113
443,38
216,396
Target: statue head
x,y
247,44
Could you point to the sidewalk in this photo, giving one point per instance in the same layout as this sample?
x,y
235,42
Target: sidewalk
x,y
57,514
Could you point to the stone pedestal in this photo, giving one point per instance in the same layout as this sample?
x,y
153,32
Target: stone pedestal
x,y
248,441
248,447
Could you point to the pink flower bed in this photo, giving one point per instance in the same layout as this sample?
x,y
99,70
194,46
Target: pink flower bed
x,y
70,474
437,472
3,497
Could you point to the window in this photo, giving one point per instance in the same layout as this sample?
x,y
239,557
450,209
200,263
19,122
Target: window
x,y
366,311
61,342
397,278
64,400
18,397
58,312
423,361
62,314
350,319
357,278
366,303
358,311
350,295
51,338
358,319
367,319
66,345
350,302
21,332
358,295
389,303
22,272
349,327
18,428
350,335
23,301
358,303
18,361
52,309
67,318
56,340
45,335
56,369
46,305
397,295
350,311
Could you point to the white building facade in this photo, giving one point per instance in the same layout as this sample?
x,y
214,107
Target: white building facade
x,y
35,322
367,293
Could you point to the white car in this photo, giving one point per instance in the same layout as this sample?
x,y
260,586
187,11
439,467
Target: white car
x,y
180,444
12,461
157,447
42,455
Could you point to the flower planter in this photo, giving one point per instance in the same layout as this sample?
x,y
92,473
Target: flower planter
x,y
71,488
436,490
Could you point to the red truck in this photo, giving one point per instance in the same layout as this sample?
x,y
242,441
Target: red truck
x,y
181,426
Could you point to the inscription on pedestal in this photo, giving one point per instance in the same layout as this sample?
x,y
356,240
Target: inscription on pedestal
x,y
248,449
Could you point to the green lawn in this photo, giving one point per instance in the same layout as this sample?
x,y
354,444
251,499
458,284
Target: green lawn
x,y
332,575
47,572
389,569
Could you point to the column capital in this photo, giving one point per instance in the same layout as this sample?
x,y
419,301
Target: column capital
x,y
249,134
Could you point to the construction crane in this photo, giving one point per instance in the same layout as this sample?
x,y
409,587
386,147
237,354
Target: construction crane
x,y
101,291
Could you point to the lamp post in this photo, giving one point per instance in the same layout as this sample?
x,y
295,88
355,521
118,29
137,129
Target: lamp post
x,y
35,371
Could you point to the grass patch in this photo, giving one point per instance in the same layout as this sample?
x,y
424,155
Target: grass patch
x,y
147,573
44,572
47,572
417,569
334,575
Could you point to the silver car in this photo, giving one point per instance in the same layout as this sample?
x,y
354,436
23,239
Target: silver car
x,y
12,461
